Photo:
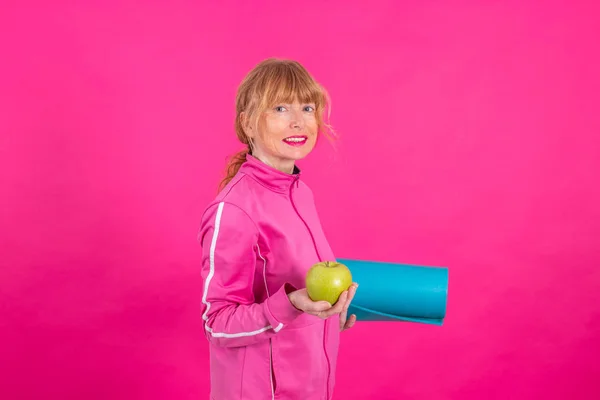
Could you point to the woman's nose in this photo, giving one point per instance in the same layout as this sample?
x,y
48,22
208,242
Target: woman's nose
x,y
297,121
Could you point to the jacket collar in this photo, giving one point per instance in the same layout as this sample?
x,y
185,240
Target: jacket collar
x,y
268,176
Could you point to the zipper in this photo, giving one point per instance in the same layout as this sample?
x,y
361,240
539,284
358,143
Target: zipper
x,y
302,219
297,182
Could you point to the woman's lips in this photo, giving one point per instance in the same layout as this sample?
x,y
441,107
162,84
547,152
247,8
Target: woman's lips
x,y
295,141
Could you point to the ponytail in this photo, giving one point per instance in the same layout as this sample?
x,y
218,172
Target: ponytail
x,y
233,166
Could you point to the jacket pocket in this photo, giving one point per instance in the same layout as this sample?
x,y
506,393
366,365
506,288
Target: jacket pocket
x,y
272,370
298,363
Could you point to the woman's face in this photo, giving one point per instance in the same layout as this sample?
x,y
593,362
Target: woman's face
x,y
287,132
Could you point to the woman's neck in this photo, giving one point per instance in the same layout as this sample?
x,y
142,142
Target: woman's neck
x,y
286,166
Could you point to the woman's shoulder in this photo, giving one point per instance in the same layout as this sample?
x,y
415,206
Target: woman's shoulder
x,y
227,216
232,198
239,191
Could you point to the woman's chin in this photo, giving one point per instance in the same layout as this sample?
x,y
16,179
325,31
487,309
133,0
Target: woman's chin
x,y
297,153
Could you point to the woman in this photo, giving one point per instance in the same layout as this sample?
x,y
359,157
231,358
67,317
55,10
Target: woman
x,y
259,238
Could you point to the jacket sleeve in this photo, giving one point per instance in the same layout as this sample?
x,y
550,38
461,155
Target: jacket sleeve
x,y
230,315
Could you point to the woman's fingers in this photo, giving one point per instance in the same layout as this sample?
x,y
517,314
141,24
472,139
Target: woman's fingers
x,y
346,323
350,322
351,292
317,306
343,316
324,310
338,307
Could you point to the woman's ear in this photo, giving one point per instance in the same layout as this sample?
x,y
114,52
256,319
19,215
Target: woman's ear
x,y
245,120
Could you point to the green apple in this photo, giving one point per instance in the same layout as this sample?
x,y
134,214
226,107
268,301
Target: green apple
x,y
327,280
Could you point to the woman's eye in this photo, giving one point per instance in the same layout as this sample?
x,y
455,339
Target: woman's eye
x,y
280,108
309,109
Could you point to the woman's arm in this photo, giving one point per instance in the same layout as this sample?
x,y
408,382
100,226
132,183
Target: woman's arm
x,y
230,315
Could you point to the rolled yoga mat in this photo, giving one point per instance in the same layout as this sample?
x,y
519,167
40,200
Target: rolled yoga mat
x,y
398,292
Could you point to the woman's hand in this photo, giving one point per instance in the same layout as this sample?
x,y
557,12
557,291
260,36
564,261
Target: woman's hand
x,y
321,309
347,323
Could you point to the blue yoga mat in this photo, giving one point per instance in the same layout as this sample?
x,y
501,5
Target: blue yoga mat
x,y
398,292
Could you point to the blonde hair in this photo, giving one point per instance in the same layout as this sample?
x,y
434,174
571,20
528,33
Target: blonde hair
x,y
271,82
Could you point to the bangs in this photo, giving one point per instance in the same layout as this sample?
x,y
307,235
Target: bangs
x,y
276,82
288,83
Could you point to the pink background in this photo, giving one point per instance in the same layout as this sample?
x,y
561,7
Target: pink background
x,y
469,140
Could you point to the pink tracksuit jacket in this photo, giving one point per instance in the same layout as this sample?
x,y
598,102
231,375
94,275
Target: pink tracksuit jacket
x,y
259,237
